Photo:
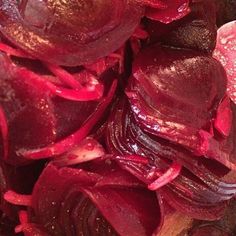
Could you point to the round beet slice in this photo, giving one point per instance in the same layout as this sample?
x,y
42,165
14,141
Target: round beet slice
x,y
75,33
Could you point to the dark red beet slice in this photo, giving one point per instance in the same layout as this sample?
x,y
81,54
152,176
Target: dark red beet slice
x,y
71,34
71,115
174,95
197,30
28,109
75,138
225,52
30,105
192,208
203,186
74,201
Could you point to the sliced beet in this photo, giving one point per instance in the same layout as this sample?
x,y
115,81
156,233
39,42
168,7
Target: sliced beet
x,y
28,109
225,52
205,187
196,31
177,94
171,141
192,208
71,115
174,94
75,33
35,116
71,201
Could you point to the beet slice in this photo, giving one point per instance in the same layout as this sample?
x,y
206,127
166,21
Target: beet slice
x,y
28,110
75,138
204,186
69,200
69,34
174,95
196,31
193,208
29,105
225,52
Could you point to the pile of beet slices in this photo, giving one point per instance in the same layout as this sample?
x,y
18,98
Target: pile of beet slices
x,y
117,117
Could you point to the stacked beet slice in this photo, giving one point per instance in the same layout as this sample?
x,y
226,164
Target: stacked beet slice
x,y
116,117
172,115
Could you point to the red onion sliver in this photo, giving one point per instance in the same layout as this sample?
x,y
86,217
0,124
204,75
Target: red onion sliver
x,y
4,131
18,199
167,177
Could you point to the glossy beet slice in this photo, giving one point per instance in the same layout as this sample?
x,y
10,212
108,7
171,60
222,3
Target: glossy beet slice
x,y
28,109
203,186
75,33
196,31
225,52
79,197
174,95
67,143
30,105
193,208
